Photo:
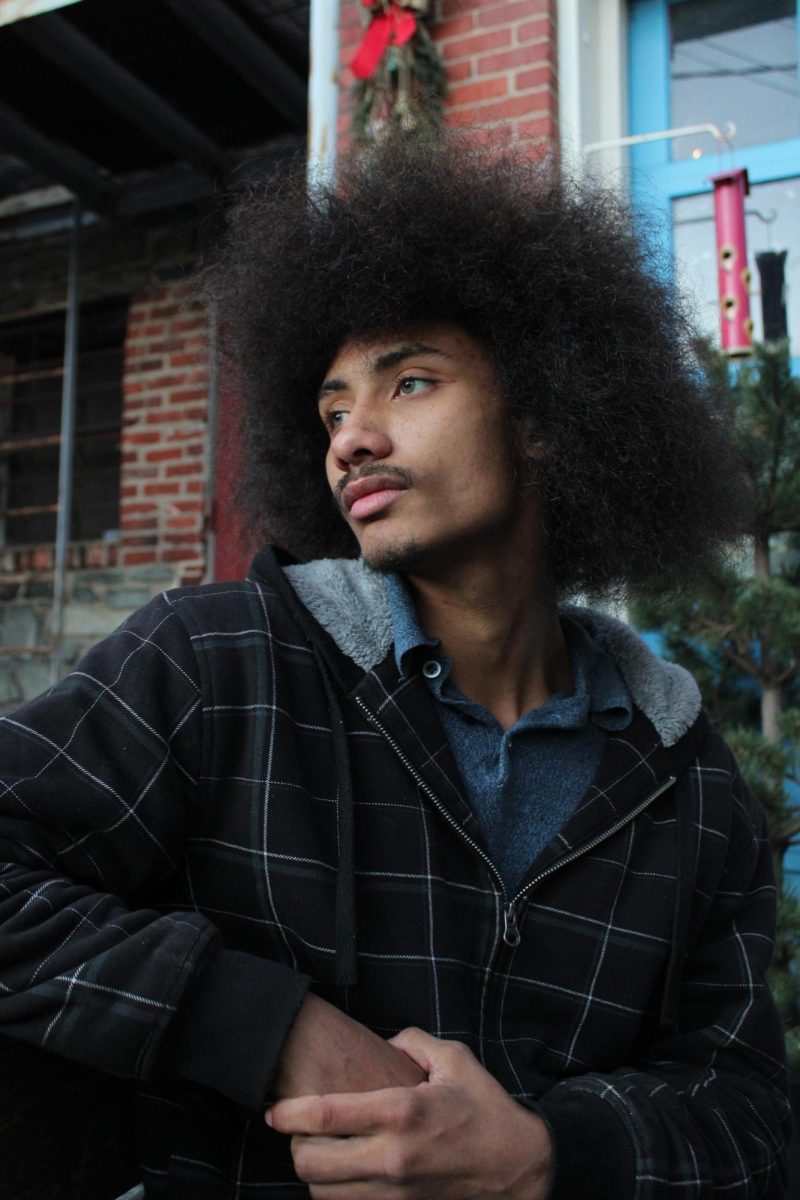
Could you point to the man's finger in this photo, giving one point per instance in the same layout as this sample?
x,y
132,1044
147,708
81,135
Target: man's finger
x,y
344,1114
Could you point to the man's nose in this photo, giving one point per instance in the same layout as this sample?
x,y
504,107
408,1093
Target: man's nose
x,y
360,439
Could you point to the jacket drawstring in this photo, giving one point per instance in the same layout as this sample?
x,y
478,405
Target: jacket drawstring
x,y
345,876
668,1014
345,942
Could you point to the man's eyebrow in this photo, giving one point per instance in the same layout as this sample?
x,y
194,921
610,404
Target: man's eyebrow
x,y
383,362
391,358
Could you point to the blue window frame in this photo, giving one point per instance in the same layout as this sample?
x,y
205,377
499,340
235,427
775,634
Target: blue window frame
x,y
661,181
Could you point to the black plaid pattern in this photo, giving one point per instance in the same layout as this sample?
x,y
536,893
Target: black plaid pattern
x,y
168,825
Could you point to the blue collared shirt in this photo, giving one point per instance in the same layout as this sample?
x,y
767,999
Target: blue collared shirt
x,y
523,782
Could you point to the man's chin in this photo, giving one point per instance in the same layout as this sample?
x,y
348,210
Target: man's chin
x,y
404,557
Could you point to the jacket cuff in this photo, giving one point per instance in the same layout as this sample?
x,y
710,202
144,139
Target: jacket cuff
x,y
593,1154
232,1025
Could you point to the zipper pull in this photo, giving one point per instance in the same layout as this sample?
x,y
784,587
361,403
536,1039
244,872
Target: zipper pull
x,y
511,934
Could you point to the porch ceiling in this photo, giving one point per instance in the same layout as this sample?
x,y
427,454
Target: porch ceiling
x,y
137,105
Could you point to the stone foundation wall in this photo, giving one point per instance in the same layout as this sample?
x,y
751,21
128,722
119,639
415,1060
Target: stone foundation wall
x,y
96,602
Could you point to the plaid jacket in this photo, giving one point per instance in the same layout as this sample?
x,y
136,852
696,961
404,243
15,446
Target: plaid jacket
x,y
236,794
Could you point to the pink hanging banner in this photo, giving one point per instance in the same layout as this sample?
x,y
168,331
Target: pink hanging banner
x,y
733,274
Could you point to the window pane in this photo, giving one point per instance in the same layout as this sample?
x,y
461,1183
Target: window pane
x,y
31,377
734,60
773,219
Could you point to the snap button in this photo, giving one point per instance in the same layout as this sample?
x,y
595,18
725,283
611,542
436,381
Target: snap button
x,y
432,669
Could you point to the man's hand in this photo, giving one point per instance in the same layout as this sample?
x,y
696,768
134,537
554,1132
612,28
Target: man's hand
x,y
459,1136
327,1051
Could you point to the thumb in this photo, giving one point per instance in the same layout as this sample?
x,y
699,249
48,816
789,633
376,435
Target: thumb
x,y
418,1045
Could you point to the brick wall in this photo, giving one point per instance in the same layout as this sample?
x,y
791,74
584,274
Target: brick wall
x,y
164,476
165,459
501,63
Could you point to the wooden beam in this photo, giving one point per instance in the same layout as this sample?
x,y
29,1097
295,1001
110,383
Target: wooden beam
x,y
118,88
83,177
258,64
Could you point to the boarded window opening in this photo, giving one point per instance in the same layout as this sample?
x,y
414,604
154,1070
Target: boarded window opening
x,y
31,377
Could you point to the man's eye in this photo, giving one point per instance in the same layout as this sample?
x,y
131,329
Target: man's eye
x,y
335,418
413,385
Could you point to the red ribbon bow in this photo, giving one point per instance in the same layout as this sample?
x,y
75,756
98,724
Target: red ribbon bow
x,y
394,27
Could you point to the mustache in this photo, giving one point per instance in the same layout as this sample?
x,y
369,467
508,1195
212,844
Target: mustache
x,y
402,476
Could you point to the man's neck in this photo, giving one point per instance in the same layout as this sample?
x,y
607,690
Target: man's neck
x,y
501,634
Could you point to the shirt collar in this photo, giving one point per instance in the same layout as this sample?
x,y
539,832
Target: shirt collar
x,y
599,690
408,634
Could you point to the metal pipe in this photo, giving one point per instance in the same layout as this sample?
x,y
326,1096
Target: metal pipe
x,y
69,396
323,91
209,573
664,135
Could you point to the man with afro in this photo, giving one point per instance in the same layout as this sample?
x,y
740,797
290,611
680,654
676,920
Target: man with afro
x,y
390,872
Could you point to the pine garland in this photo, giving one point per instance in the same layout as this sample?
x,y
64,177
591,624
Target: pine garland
x,y
408,86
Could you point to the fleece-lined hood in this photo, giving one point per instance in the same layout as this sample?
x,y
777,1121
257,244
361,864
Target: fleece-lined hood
x,y
349,601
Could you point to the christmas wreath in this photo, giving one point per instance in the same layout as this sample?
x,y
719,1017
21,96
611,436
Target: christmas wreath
x,y
400,79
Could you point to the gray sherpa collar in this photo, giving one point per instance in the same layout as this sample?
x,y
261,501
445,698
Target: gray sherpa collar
x,y
349,601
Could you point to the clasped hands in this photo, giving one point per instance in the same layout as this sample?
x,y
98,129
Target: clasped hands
x,y
414,1118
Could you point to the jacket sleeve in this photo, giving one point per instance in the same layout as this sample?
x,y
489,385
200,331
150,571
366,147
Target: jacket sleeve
x,y
703,1111
95,779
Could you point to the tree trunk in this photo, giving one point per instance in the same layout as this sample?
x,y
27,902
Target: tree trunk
x,y
771,698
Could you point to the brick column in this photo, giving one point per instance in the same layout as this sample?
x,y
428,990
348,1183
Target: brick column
x,y
165,433
501,62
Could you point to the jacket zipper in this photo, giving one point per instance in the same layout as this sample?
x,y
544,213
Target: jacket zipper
x,y
511,934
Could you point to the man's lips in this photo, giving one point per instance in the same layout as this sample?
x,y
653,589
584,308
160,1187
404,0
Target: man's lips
x,y
368,495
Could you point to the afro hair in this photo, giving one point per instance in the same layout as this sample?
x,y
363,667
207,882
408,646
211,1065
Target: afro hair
x,y
638,482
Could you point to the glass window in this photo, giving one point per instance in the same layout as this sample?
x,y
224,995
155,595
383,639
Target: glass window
x,y
773,219
734,60
31,373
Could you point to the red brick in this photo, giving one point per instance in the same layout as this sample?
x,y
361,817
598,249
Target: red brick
x,y
179,555
164,455
483,89
503,14
530,31
137,524
176,523
137,366
140,507
541,76
196,447
493,135
540,127
166,310
160,383
504,110
133,558
453,27
459,71
139,539
161,489
481,42
185,433
187,506
125,492
184,469
185,396
136,438
520,57
195,485
190,359
190,324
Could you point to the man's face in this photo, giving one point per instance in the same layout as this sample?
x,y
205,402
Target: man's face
x,y
420,459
